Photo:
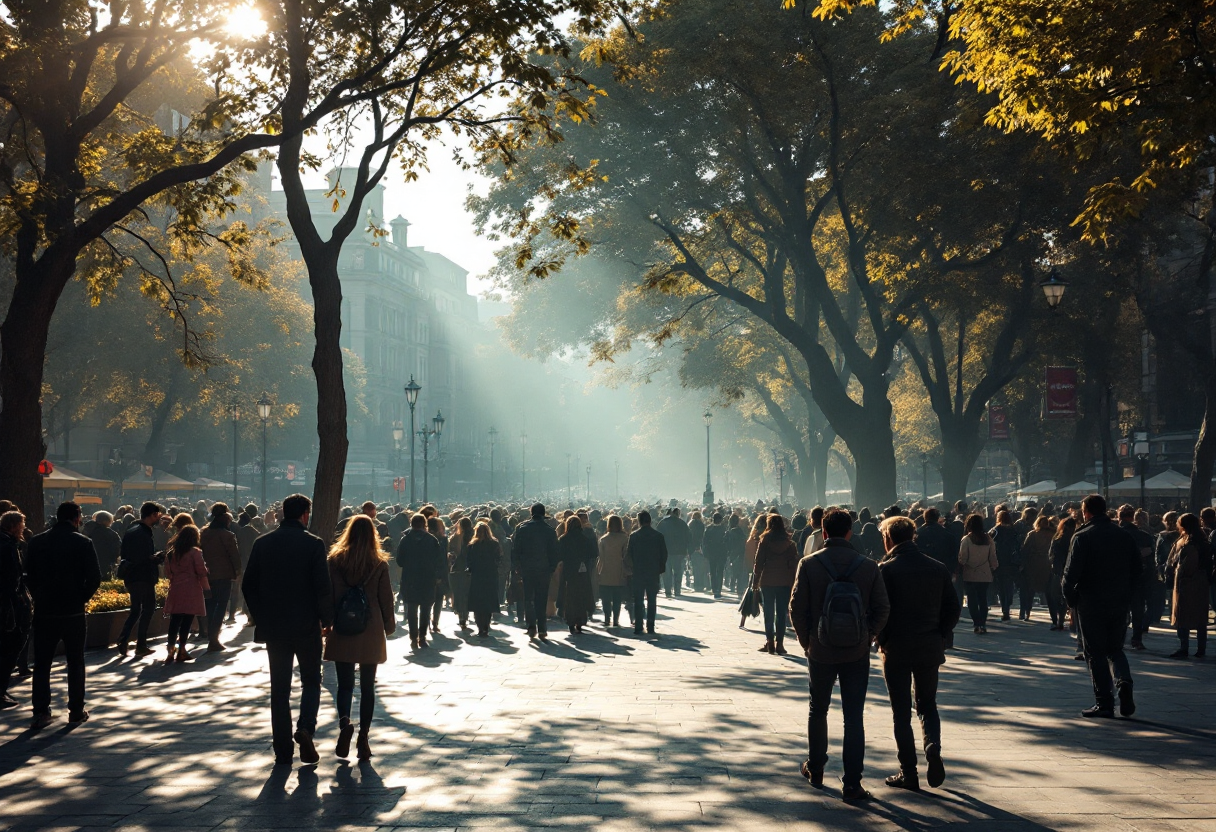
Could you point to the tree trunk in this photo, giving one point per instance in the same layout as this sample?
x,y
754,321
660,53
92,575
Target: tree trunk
x,y
331,392
1205,452
961,446
1081,446
873,451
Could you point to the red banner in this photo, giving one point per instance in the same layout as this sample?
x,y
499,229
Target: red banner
x,y
998,422
1061,398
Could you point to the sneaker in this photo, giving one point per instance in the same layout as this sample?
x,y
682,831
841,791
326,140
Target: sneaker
x,y
815,778
1099,712
854,794
937,769
78,716
904,781
308,751
1127,705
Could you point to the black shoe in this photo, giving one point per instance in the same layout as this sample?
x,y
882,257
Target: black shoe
x,y
543,635
7,702
904,781
1079,657
815,778
937,769
637,631
531,632
144,650
1005,616
41,720
1179,654
1127,705
1137,645
1199,654
1099,712
78,716
308,751
854,794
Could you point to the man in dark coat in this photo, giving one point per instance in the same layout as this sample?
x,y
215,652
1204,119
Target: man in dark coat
x,y
939,542
924,610
63,573
142,557
1102,570
106,542
222,556
534,559
16,606
422,563
287,588
1143,588
249,529
675,534
645,561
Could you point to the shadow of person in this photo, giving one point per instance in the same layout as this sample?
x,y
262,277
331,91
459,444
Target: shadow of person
x,y
275,787
672,641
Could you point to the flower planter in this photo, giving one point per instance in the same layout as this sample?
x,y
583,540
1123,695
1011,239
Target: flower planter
x,y
104,628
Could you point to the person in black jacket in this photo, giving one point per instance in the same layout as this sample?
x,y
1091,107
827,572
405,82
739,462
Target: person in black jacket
x,y
534,559
63,573
939,542
288,591
1103,568
924,610
16,606
676,535
1148,573
646,560
422,562
140,560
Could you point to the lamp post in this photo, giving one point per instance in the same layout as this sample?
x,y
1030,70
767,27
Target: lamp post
x,y
1053,288
924,477
708,497
411,397
235,410
263,414
1140,448
398,435
523,467
780,479
493,439
438,421
426,434
588,483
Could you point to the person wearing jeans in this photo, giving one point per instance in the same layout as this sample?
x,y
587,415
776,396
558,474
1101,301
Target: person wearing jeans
x,y
829,662
534,558
140,561
222,554
977,562
422,562
776,563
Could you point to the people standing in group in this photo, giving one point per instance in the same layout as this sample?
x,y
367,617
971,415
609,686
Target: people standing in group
x,y
1190,566
924,610
1009,555
675,534
576,554
188,582
1056,606
222,555
16,604
483,556
288,591
534,550
62,573
977,562
646,562
614,576
139,566
1100,576
776,562
364,616
834,650
423,563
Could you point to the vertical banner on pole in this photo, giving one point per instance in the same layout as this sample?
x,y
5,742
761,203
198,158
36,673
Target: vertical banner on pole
x,y
1060,401
998,423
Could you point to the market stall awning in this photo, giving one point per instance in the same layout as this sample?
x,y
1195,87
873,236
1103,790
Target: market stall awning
x,y
67,478
207,484
1078,489
159,481
1038,489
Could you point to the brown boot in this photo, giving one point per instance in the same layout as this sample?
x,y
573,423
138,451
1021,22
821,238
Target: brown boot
x,y
362,749
768,646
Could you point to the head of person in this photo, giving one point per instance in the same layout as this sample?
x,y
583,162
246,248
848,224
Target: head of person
x,y
896,531
864,515
297,508
104,519
434,525
1208,517
219,514
483,531
893,511
1170,519
1066,527
775,530
1191,529
717,519
181,521
12,523
465,525
643,518
734,522
817,517
675,512
572,526
1004,517
1029,514
187,538
369,509
150,513
1093,508
1042,523
357,549
418,522
932,517
538,511
1127,513
974,528
837,524
615,524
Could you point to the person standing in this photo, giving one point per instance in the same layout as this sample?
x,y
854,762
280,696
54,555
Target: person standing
x,y
422,561
1009,555
287,588
676,536
63,573
938,541
776,562
1190,564
577,556
1102,571
1148,572
106,542
833,652
645,562
16,606
458,569
484,553
222,555
140,560
713,541
534,550
977,562
1036,564
1056,606
247,532
188,581
733,544
365,617
924,610
611,568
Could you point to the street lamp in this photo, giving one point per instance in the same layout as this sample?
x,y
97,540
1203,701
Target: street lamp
x,y
437,421
263,414
493,438
235,410
1140,448
411,397
398,435
523,466
588,483
708,497
1053,287
924,477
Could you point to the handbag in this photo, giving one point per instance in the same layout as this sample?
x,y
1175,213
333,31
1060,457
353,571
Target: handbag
x,y
749,604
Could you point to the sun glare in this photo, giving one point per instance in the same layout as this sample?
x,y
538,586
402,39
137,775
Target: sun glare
x,y
245,22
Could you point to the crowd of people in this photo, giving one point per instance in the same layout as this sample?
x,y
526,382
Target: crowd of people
x,y
846,583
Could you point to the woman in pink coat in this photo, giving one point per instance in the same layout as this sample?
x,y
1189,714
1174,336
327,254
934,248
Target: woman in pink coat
x,y
187,576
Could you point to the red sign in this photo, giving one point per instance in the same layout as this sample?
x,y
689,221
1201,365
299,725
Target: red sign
x,y
998,422
398,483
45,468
291,471
1061,399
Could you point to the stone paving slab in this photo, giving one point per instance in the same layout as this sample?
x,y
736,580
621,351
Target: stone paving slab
x,y
694,730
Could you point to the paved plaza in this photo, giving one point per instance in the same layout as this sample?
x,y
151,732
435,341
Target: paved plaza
x,y
608,731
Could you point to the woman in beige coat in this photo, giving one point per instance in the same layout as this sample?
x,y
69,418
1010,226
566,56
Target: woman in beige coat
x,y
976,562
613,571
356,562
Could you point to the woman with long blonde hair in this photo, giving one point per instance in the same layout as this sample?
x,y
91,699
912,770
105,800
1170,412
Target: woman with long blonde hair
x,y
358,565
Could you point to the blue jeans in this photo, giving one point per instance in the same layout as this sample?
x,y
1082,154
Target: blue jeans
x,y
854,681
776,601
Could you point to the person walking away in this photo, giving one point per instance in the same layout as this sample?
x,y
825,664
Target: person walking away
x,y
838,605
611,568
1161,587
1102,571
247,532
696,546
1036,564
776,562
106,542
748,564
1190,564
16,605
810,539
459,570
713,541
977,562
423,563
1009,555
577,556
483,554
924,610
534,549
676,536
222,555
1148,572
186,570
1056,607
62,573
364,616
437,529
287,587
645,561
139,563
937,540
732,551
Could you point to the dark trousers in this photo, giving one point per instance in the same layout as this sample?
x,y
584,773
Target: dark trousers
x,y
908,686
179,629
483,618
143,605
645,603
1004,590
11,645
717,569
283,655
977,602
417,618
1184,641
234,600
1102,634
854,681
536,600
776,601
346,691
1056,608
673,578
48,632
613,597
1026,594
217,605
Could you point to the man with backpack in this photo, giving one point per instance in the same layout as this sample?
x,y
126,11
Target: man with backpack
x,y
837,606
924,610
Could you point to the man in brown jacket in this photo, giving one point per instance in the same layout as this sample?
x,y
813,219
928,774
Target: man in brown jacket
x,y
223,560
854,583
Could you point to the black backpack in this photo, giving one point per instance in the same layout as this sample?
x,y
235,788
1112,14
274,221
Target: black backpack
x,y
842,621
353,612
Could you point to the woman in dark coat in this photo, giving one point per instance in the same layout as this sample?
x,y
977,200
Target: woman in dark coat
x,y
1191,565
577,555
1059,556
439,531
459,578
482,556
776,563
